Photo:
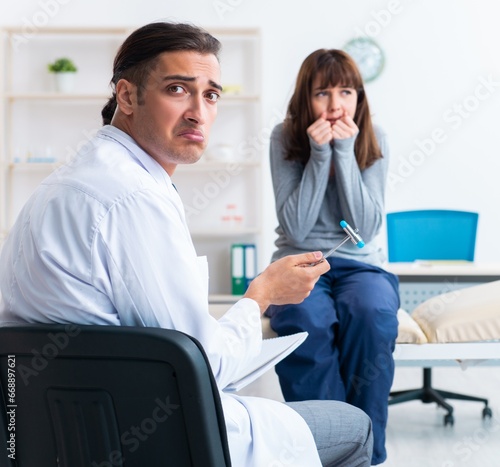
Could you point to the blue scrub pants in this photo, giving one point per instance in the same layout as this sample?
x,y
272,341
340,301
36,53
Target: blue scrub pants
x,y
351,318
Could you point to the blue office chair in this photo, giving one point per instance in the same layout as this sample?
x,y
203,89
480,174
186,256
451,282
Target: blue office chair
x,y
432,235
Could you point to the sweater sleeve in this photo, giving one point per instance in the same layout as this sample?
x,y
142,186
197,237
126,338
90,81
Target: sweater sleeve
x,y
361,193
299,190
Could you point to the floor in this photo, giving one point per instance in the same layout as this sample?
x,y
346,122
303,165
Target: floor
x,y
417,437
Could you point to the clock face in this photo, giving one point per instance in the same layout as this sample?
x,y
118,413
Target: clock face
x,y
368,56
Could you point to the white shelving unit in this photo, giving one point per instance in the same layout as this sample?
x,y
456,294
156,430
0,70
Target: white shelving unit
x,y
41,129
222,192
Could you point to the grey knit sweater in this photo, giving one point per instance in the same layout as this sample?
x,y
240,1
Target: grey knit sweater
x,y
310,204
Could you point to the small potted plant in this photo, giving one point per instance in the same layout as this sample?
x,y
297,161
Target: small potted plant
x,y
64,71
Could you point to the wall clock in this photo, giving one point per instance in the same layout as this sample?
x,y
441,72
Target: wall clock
x,y
368,56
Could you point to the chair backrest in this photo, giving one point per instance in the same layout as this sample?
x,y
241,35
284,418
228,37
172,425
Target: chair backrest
x,y
106,396
431,235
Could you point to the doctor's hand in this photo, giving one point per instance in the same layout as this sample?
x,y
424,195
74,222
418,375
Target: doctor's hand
x,y
321,130
287,280
344,127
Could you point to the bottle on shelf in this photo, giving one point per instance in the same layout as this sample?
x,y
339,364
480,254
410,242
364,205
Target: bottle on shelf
x,y
232,219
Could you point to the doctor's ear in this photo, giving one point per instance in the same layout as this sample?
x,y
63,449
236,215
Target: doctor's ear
x,y
126,96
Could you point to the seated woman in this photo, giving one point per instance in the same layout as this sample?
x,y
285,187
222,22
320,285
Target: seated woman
x,y
329,163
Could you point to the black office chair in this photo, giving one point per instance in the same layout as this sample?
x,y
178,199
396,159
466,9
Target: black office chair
x,y
106,396
432,235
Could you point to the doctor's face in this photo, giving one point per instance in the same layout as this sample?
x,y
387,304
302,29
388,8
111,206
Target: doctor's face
x,y
174,111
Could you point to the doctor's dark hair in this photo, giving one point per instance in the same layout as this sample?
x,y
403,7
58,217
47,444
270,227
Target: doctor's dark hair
x,y
335,68
138,55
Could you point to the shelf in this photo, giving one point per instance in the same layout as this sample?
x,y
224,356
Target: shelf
x,y
72,31
204,165
58,97
226,99
33,166
234,34
198,167
237,99
223,298
222,232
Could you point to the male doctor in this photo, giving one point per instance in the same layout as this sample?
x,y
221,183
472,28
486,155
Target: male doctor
x,y
104,241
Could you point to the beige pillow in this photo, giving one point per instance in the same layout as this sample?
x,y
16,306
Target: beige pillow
x,y
408,330
465,315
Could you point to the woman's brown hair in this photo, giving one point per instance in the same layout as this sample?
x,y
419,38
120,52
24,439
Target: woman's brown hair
x,y
336,68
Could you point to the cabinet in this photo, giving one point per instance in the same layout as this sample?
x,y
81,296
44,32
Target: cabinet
x,y
41,128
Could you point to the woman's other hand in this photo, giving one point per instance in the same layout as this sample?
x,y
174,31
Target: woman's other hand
x,y
321,131
344,127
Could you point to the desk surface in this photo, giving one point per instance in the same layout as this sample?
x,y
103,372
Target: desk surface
x,y
442,268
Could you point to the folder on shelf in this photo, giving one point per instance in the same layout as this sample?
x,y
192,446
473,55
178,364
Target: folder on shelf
x,y
250,264
243,267
238,269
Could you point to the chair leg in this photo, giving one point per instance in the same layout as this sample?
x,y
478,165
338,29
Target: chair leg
x,y
462,397
428,394
404,396
434,395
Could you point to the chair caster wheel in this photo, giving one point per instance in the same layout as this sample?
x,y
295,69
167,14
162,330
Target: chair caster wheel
x,y
449,420
487,413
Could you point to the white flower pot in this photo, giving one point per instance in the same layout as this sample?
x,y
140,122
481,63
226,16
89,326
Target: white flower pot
x,y
65,82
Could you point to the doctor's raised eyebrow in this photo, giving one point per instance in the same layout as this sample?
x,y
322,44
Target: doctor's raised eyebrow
x,y
190,79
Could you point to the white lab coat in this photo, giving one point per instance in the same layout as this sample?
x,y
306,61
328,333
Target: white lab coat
x,y
104,241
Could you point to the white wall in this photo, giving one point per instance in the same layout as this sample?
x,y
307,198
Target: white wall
x,y
438,54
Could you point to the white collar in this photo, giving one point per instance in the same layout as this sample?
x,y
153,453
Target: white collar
x,y
149,164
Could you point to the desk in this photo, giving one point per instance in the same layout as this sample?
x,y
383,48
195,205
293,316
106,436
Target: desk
x,y
422,280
